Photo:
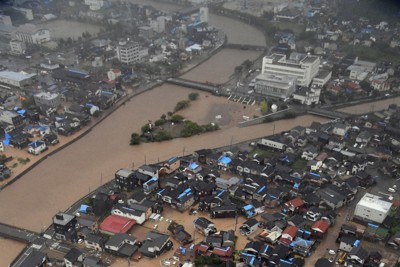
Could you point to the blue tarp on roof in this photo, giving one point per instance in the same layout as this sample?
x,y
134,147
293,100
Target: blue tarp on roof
x,y
224,160
6,141
84,208
193,165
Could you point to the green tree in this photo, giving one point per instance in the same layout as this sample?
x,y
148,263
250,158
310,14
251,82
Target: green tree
x,y
135,139
181,105
264,107
191,128
159,122
162,136
176,118
247,64
146,128
193,96
163,117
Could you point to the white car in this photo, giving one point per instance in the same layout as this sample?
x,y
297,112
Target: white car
x,y
391,190
332,252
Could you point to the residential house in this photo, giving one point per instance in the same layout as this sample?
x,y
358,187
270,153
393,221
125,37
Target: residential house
x,y
224,253
331,198
228,238
288,235
249,227
314,213
394,241
150,185
125,179
320,228
95,242
65,227
93,261
347,242
310,152
340,129
150,170
180,234
214,240
37,147
356,257
73,258
204,226
364,137
155,244
170,165
138,215
225,184
191,170
302,246
276,142
223,211
223,163
294,205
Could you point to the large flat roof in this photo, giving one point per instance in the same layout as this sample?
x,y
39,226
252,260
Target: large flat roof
x,y
375,202
16,76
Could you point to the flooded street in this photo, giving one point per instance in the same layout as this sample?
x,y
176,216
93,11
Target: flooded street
x,y
212,71
65,28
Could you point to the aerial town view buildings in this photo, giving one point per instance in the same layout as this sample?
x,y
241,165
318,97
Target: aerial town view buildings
x,y
286,153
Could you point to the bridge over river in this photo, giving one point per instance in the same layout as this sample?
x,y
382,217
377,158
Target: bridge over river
x,y
327,113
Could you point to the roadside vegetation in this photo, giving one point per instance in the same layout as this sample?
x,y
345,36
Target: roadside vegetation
x,y
171,125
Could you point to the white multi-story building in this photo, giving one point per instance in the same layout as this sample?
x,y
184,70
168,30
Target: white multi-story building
x,y
158,25
47,99
128,52
303,67
94,4
372,208
17,47
281,86
308,96
29,33
5,20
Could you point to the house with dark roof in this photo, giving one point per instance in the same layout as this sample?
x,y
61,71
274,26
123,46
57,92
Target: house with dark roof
x,y
125,179
95,242
73,258
249,227
155,244
357,256
122,245
224,211
204,226
347,242
331,198
93,261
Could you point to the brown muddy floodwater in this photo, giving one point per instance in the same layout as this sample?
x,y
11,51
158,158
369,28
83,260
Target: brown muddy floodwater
x,y
214,71
63,178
